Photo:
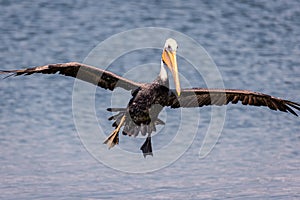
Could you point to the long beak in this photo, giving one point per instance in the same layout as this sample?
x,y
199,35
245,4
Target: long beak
x,y
169,58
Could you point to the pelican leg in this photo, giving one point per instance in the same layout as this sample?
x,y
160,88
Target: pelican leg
x,y
147,147
113,138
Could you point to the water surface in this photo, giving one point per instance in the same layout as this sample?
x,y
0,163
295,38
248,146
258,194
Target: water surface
x,y
255,44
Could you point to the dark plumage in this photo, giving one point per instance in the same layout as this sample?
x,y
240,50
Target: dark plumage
x,y
198,97
148,99
96,76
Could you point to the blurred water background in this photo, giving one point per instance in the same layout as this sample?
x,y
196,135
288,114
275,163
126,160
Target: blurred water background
x,y
256,46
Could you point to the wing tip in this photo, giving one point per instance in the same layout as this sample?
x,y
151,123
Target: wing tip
x,y
8,73
290,105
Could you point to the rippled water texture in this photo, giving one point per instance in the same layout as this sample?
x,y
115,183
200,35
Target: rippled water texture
x,y
256,46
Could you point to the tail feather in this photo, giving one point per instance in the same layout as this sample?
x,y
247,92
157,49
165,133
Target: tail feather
x,y
130,128
116,109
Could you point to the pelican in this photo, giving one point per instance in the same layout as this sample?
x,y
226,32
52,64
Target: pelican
x,y
148,99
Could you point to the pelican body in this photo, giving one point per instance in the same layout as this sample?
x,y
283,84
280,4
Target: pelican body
x,y
141,114
148,99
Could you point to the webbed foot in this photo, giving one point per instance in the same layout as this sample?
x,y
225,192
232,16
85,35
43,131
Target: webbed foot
x,y
147,147
113,138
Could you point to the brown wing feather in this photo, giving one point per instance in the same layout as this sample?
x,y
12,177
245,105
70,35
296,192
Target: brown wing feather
x,y
96,76
198,97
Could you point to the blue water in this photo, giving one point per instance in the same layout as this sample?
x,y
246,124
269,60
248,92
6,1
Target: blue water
x,y
256,46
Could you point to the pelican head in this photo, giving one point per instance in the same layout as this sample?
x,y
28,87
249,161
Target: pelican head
x,y
169,59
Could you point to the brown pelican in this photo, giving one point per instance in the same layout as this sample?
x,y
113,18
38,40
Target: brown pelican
x,y
148,99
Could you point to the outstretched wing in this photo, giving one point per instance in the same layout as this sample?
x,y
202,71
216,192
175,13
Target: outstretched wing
x,y
198,97
96,76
